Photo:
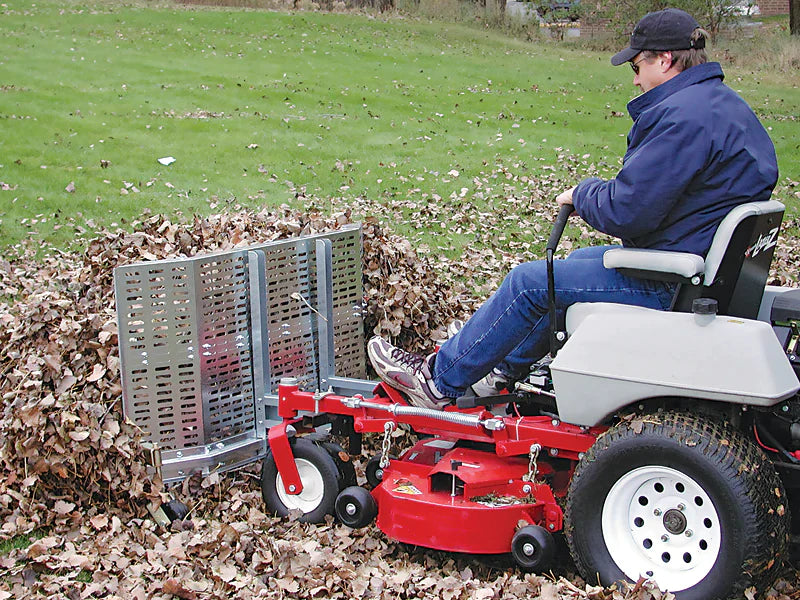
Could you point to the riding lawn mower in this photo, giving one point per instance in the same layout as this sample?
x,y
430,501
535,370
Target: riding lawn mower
x,y
662,445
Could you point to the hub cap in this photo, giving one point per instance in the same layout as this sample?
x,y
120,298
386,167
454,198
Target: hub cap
x,y
659,523
313,488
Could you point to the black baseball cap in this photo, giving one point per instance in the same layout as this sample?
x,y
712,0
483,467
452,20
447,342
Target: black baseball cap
x,y
668,29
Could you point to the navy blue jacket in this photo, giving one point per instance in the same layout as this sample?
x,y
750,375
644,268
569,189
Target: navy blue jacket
x,y
695,151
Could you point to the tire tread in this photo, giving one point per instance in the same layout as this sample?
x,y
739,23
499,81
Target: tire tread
x,y
749,472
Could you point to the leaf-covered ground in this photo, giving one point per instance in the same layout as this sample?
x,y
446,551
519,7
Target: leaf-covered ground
x,y
74,477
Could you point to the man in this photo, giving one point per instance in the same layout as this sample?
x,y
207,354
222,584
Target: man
x,y
695,151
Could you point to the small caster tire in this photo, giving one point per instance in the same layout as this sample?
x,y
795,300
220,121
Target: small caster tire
x,y
532,548
175,510
356,507
319,476
374,472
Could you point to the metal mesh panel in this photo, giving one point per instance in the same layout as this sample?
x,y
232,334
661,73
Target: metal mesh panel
x,y
348,306
186,341
290,269
224,331
158,341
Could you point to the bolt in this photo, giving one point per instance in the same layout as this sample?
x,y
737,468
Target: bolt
x,y
689,533
350,509
526,489
553,451
681,506
379,474
555,422
665,538
657,512
292,488
528,549
551,526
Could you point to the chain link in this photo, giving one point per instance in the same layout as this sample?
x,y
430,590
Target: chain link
x,y
386,445
532,466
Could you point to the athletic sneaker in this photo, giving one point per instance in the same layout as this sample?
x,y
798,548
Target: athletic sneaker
x,y
454,327
491,385
408,372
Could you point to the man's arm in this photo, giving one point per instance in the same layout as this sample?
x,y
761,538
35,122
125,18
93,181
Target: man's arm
x,y
658,168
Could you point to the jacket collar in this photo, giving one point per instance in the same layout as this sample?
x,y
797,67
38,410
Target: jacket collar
x,y
691,76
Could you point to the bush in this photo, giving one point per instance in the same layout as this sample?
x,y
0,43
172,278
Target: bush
x,y
622,15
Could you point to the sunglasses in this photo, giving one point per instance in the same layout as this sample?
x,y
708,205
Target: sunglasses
x,y
635,65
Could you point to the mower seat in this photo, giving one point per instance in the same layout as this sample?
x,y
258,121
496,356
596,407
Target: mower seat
x,y
733,273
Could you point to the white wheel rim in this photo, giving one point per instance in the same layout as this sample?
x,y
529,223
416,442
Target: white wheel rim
x,y
313,487
659,524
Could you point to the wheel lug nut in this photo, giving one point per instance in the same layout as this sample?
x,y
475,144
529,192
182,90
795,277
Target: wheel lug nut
x,y
681,507
665,538
657,512
689,533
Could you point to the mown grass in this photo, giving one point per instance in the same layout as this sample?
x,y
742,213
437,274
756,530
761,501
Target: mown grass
x,y
261,108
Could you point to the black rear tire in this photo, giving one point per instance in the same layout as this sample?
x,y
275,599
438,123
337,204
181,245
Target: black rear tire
x,y
685,500
319,476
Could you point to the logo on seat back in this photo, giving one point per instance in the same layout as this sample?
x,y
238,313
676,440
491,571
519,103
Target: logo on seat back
x,y
764,242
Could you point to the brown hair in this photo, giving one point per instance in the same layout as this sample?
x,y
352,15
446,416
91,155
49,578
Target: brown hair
x,y
683,59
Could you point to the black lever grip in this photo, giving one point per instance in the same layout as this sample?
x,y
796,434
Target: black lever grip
x,y
558,227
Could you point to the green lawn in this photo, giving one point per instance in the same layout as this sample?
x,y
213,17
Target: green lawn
x,y
265,108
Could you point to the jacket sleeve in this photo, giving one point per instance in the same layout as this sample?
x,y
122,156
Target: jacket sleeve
x,y
662,160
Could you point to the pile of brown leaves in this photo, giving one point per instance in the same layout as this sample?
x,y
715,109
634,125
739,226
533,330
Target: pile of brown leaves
x,y
74,473
63,436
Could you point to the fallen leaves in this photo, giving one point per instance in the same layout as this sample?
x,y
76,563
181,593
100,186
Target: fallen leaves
x,y
75,470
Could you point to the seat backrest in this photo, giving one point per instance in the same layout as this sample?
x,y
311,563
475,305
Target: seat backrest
x,y
737,264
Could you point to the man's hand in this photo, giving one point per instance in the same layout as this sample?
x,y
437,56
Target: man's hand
x,y
565,197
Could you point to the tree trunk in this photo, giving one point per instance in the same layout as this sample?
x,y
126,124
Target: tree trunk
x,y
794,17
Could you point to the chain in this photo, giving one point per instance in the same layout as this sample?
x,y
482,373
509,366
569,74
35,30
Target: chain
x,y
532,466
386,445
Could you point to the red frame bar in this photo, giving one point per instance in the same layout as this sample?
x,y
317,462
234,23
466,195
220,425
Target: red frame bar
x,y
520,433
284,457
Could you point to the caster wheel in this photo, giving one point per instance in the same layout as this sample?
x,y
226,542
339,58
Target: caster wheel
x,y
374,472
320,479
175,510
532,548
356,507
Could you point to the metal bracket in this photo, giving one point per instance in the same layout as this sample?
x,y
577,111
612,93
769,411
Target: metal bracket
x,y
284,458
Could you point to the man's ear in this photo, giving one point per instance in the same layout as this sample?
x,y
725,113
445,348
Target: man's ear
x,y
665,61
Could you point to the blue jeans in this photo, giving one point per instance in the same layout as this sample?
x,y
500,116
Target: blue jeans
x,y
511,330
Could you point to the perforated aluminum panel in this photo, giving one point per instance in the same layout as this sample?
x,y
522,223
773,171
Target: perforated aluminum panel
x,y
186,337
292,349
291,292
224,344
157,343
348,307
